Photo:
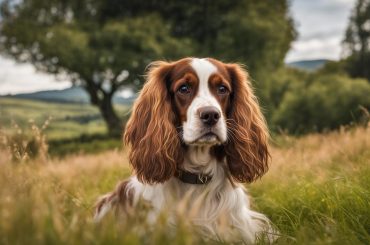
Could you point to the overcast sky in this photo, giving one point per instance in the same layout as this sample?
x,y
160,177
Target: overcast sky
x,y
320,24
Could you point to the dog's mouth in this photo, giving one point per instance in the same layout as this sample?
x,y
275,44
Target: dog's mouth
x,y
209,138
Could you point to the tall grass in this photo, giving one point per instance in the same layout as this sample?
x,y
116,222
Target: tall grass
x,y
23,144
318,188
316,192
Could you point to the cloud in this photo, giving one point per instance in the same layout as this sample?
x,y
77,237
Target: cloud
x,y
23,78
316,48
321,26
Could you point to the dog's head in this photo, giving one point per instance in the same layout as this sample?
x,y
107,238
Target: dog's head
x,y
196,102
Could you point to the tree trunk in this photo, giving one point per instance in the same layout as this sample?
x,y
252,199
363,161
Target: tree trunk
x,y
104,103
110,117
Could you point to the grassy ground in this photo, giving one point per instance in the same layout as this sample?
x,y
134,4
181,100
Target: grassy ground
x,y
316,192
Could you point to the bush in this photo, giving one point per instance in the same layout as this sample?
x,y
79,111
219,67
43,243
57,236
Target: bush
x,y
323,102
276,86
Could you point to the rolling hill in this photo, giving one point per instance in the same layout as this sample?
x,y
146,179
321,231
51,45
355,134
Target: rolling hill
x,y
308,65
70,95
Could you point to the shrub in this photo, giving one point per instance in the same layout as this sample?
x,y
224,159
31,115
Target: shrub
x,y
323,102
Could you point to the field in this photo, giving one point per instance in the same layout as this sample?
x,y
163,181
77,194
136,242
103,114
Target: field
x,y
316,192
67,120
71,127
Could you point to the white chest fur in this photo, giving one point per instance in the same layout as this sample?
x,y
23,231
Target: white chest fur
x,y
220,208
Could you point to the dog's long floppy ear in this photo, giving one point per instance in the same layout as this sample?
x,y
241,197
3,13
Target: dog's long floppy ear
x,y
247,149
151,133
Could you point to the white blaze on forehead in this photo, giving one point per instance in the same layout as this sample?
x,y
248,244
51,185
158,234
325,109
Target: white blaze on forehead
x,y
203,68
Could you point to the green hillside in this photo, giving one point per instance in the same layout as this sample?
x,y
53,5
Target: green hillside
x,y
66,120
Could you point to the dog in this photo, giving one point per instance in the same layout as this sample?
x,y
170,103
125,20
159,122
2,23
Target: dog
x,y
196,133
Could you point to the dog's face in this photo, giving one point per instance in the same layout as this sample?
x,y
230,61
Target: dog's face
x,y
196,102
200,90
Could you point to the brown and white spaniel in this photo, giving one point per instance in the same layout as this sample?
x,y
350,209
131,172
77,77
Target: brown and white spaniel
x,y
195,134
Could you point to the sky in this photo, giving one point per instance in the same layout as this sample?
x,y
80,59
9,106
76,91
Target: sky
x,y
320,24
23,78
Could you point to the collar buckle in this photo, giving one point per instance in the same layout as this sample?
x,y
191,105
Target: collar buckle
x,y
193,178
203,178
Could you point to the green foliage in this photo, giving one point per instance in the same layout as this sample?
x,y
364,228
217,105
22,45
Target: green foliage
x,y
250,36
300,102
357,40
277,85
322,102
241,30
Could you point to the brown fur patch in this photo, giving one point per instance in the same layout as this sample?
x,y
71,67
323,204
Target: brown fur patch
x,y
214,82
121,199
247,151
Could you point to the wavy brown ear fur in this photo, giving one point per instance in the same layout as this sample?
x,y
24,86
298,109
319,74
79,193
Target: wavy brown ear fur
x,y
155,147
247,151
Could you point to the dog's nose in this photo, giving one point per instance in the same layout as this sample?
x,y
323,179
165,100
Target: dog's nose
x,y
209,115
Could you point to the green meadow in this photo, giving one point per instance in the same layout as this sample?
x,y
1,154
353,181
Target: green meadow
x,y
67,120
317,190
68,127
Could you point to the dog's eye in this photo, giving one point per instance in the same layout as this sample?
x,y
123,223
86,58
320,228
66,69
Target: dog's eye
x,y
222,89
184,89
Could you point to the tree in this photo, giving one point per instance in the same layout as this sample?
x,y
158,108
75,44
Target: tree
x,y
242,31
106,44
102,57
357,40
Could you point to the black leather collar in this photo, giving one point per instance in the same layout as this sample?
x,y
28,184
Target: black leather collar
x,y
192,178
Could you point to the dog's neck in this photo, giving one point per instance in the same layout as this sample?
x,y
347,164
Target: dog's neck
x,y
199,159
